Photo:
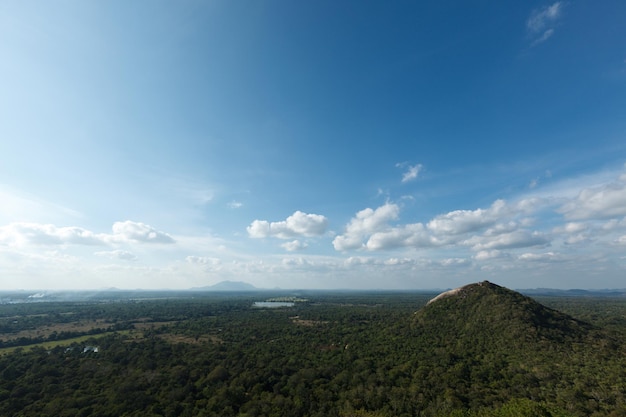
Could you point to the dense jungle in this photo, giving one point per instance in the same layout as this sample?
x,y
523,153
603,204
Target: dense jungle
x,y
482,351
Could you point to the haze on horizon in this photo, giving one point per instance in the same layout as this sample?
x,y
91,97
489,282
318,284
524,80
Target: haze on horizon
x,y
325,144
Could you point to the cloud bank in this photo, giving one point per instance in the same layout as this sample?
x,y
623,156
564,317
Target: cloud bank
x,y
595,214
21,234
579,233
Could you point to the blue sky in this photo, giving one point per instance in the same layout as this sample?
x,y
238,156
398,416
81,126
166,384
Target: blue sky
x,y
324,144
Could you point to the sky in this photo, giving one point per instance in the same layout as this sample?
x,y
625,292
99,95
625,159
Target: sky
x,y
328,144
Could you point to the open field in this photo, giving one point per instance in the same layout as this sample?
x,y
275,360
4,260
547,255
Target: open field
x,y
46,330
55,343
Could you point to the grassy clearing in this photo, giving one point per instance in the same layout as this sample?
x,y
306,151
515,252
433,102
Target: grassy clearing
x,y
55,343
48,329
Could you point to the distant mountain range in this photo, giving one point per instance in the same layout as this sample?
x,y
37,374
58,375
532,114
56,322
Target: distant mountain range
x,y
20,296
574,292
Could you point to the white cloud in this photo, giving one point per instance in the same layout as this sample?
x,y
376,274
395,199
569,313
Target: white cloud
x,y
358,260
298,224
574,232
463,221
117,254
202,260
411,173
366,222
399,261
540,24
484,255
601,202
574,227
410,235
297,263
453,262
575,239
235,204
259,229
516,239
614,224
544,37
371,229
530,204
129,231
539,257
500,228
20,234
294,245
540,18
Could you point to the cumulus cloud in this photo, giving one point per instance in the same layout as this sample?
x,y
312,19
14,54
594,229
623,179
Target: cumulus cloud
x,y
463,221
605,201
298,224
365,223
294,245
540,24
47,234
370,229
410,235
130,231
118,254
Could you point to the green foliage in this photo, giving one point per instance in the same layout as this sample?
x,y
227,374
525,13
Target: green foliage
x,y
490,353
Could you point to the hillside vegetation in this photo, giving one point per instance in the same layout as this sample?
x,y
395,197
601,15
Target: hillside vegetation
x,y
482,351
496,343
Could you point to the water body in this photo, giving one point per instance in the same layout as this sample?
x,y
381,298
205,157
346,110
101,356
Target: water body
x,y
272,304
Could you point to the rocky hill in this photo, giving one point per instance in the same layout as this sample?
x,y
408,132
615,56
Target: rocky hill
x,y
489,341
485,314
